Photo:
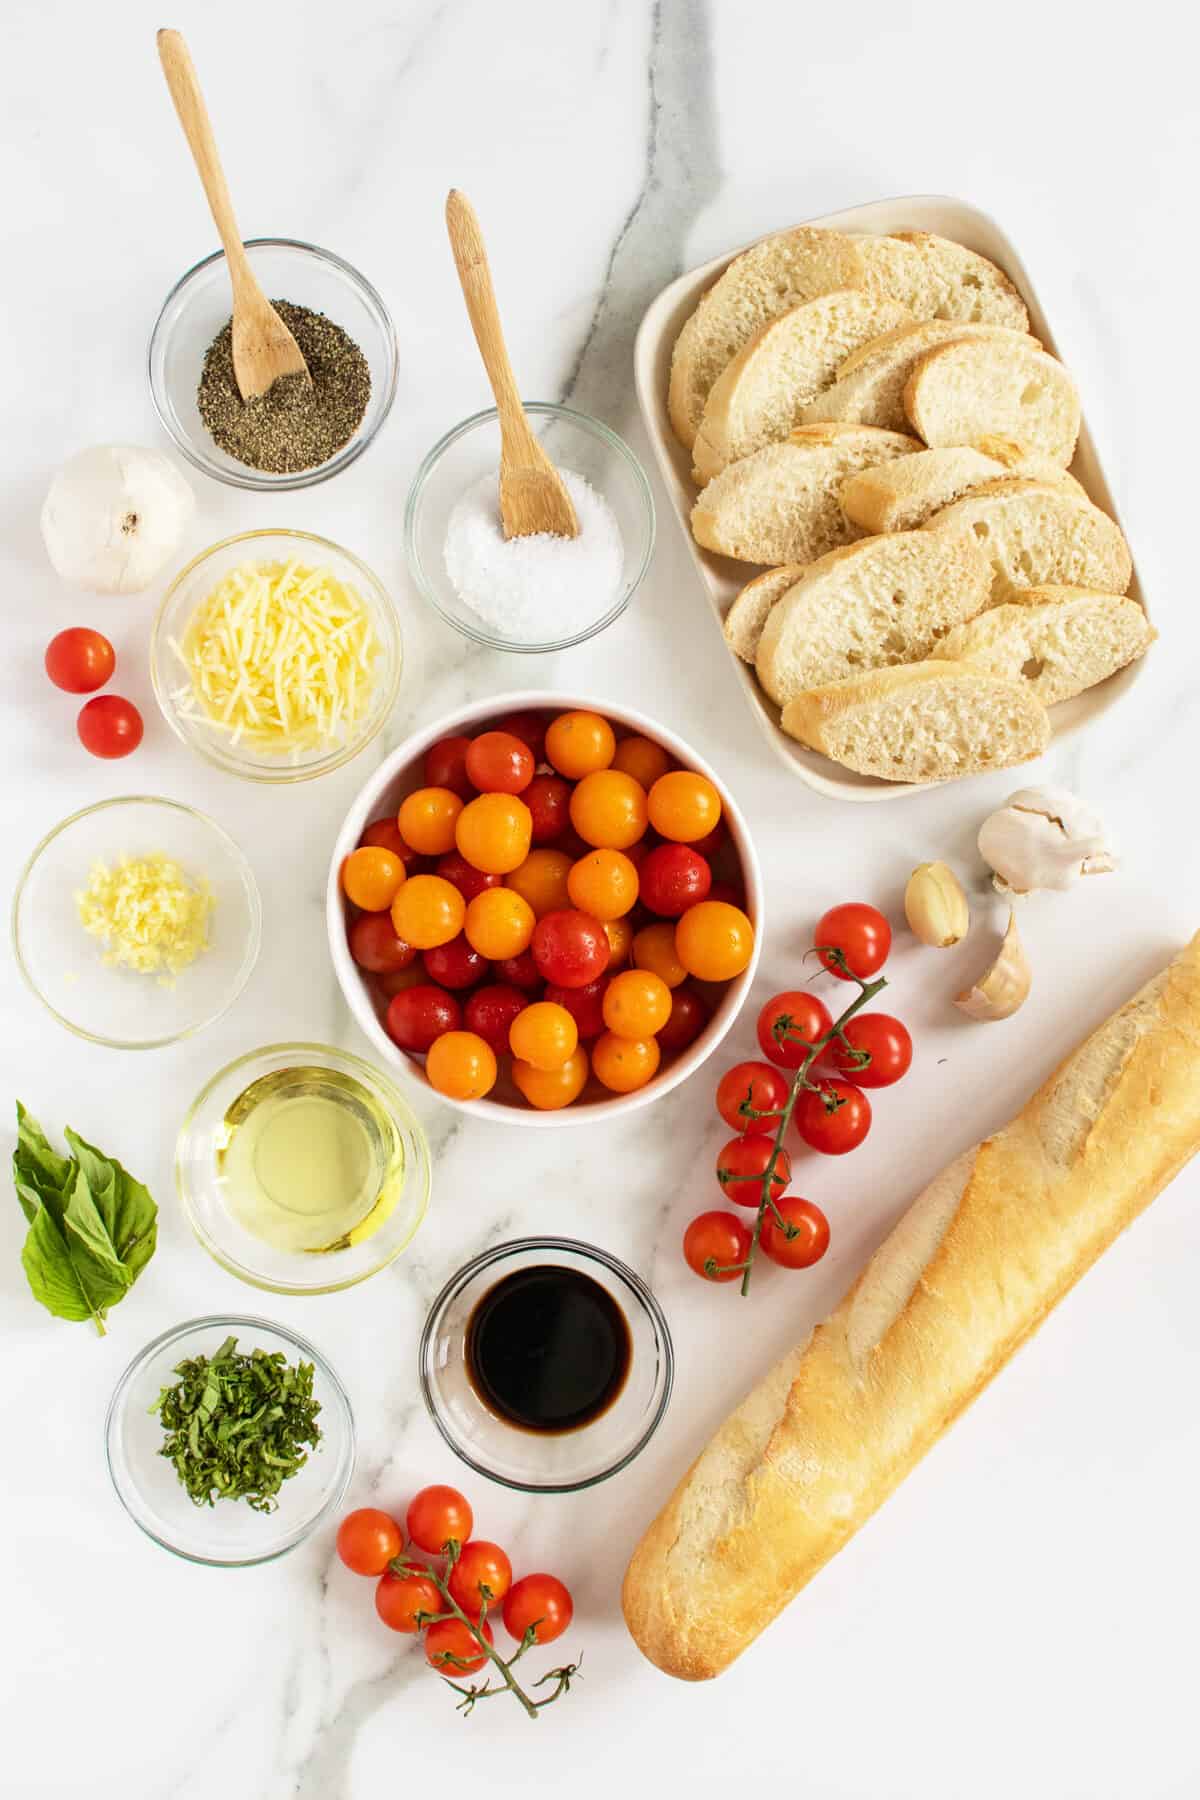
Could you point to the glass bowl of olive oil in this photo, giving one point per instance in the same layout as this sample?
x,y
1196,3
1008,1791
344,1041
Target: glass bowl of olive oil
x,y
302,1169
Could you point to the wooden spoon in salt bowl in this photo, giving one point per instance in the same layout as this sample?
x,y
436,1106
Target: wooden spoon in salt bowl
x,y
533,497
263,347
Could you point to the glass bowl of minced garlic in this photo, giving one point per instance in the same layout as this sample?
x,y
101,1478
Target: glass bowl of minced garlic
x,y
136,922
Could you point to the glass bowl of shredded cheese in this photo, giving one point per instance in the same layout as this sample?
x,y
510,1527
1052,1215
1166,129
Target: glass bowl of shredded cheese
x,y
136,922
276,655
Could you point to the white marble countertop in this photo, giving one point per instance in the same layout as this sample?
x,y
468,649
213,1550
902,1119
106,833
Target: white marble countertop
x,y
1021,1618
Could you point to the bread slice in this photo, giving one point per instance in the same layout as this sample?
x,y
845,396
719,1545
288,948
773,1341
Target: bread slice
x,y
938,279
899,496
959,392
760,284
760,395
925,721
884,600
1040,534
744,621
1057,640
781,504
870,384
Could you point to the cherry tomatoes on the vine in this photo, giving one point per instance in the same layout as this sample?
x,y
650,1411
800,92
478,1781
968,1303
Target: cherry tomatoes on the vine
x,y
540,1604
718,1239
860,932
481,1576
400,1598
436,1515
883,1040
751,1097
789,1025
367,1540
742,1163
811,1229
452,1649
833,1117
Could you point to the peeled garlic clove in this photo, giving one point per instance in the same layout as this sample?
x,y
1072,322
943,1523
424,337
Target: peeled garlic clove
x,y
935,905
114,516
1043,838
1005,986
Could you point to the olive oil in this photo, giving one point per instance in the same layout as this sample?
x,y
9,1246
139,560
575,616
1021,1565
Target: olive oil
x,y
310,1160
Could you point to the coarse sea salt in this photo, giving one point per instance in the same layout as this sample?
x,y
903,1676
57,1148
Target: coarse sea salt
x,y
534,590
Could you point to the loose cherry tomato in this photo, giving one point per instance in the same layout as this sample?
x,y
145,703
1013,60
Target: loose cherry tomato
x,y
860,932
428,911
109,727
585,1005
579,743
637,1004
455,965
417,1016
642,758
490,1012
437,1516
673,878
499,763
603,883
548,1090
400,1599
461,1065
711,842
452,1650
482,1576
375,946
619,933
713,1242
725,890
689,1016
624,1064
544,1035
79,661
542,880
384,834
530,727
714,941
684,806
539,1605
790,1024
499,923
548,798
494,832
742,1164
654,949
833,1117
751,1097
455,868
883,1040
519,971
427,819
367,1540
401,979
811,1239
372,878
569,948
445,766
608,809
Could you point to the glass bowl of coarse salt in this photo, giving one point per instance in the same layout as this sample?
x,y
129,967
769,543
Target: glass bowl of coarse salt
x,y
539,593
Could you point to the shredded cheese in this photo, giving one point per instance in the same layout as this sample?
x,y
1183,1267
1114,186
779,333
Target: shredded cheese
x,y
149,913
280,657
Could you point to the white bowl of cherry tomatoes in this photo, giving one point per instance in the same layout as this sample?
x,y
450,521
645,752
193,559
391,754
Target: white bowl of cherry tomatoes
x,y
545,910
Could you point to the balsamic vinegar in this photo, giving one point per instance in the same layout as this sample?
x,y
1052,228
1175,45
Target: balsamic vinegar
x,y
548,1349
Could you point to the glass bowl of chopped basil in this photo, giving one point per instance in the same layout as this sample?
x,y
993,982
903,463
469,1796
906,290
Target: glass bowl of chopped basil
x,y
298,433
229,1440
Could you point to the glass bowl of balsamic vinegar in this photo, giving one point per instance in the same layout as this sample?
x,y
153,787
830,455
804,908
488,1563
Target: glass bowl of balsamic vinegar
x,y
546,1364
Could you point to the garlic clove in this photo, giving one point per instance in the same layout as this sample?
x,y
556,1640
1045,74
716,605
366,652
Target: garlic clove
x,y
1043,838
114,516
936,906
1003,988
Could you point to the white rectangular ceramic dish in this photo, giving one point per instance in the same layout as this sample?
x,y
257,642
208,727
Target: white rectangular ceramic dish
x,y
723,577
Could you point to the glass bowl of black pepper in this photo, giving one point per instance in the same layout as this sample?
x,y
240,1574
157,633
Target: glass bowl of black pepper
x,y
298,433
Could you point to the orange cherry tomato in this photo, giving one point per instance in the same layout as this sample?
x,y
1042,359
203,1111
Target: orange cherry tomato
x,y
427,819
549,1089
643,759
372,878
542,880
579,743
654,949
684,806
603,883
619,933
624,1064
428,911
544,1034
637,1004
499,923
461,1065
608,809
494,832
714,941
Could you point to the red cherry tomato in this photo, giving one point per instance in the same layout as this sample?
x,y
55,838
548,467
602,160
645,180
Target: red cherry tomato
x,y
726,891
570,948
109,726
530,727
469,881
481,1577
79,661
811,1239
833,1117
490,1012
789,1025
436,1515
452,1650
719,1239
518,971
883,1040
539,1604
384,834
751,1096
548,798
399,1599
711,842
499,763
368,1539
418,1015
689,1016
673,878
456,964
375,946
860,932
585,1005
446,766
742,1164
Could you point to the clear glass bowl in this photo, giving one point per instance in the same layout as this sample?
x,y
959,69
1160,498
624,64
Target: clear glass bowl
x,y
170,677
65,967
573,441
201,1187
199,305
229,1534
534,1462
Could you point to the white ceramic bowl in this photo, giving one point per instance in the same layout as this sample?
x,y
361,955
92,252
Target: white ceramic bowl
x,y
400,773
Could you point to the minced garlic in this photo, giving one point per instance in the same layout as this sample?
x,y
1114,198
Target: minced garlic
x,y
149,913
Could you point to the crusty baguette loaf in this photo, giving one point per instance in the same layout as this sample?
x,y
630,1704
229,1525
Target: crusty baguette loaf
x,y
939,279
868,605
968,1274
901,496
1040,534
958,392
781,505
743,623
869,389
1057,640
761,394
924,721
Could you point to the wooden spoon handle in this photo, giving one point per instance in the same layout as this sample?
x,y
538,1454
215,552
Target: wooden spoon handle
x,y
197,128
470,258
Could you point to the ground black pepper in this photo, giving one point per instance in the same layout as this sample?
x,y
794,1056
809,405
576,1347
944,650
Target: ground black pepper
x,y
296,424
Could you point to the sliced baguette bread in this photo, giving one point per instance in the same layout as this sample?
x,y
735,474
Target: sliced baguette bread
x,y
938,279
744,621
1056,640
959,392
781,505
870,384
899,496
760,395
926,721
1040,534
760,284
869,605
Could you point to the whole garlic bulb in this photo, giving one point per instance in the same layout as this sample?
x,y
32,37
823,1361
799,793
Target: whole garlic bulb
x,y
1044,838
114,515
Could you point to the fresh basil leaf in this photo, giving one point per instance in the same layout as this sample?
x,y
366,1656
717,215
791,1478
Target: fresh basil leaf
x,y
38,1166
104,1277
129,1215
53,1277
